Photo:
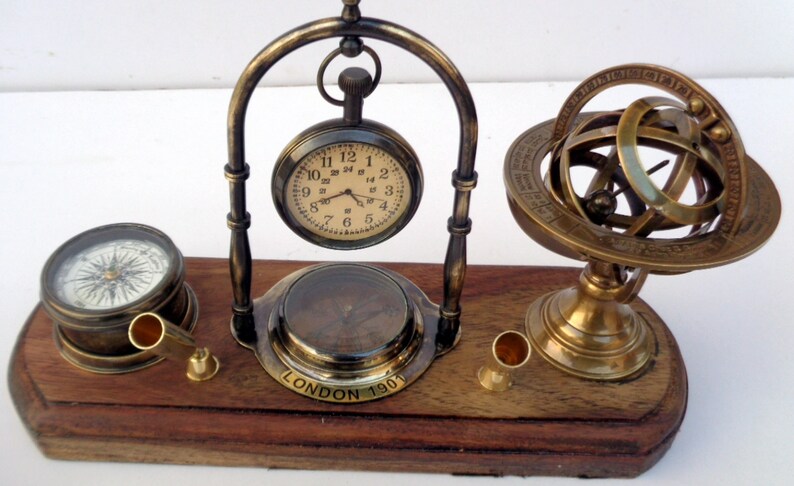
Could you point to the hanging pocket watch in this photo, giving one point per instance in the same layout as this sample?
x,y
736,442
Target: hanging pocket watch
x,y
348,183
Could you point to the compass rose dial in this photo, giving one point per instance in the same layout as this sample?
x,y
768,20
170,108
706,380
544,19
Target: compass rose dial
x,y
111,273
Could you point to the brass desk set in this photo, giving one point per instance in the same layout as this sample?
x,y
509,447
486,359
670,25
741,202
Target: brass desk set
x,y
354,366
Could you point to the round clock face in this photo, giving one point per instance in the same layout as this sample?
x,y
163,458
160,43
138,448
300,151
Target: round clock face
x,y
348,188
348,191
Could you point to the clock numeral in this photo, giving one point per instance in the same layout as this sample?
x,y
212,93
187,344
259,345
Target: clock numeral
x,y
334,172
371,180
348,210
369,161
326,162
361,171
313,207
348,168
306,192
326,180
349,156
389,190
368,218
384,206
314,175
328,219
384,174
346,222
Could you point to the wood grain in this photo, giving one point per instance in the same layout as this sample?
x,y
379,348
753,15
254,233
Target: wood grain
x,y
549,423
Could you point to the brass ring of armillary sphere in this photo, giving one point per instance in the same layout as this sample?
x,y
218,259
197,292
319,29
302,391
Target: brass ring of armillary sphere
x,y
736,206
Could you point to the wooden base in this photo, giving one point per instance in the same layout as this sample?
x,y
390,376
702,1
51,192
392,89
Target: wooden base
x,y
549,423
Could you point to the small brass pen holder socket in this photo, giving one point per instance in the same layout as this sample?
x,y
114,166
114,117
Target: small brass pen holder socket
x,y
509,352
150,332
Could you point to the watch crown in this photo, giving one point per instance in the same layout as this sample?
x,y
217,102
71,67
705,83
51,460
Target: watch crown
x,y
355,81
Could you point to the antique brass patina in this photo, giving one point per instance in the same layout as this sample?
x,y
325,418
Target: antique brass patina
x,y
711,206
345,332
97,282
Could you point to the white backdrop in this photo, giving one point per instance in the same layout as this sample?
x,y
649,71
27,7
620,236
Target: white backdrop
x,y
152,44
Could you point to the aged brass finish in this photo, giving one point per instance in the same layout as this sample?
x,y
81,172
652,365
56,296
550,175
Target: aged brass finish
x,y
351,28
345,333
346,184
590,330
95,283
711,206
509,352
151,333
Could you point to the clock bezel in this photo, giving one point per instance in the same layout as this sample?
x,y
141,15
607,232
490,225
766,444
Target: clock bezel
x,y
333,132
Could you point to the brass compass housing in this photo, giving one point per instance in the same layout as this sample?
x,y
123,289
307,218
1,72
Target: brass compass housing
x,y
710,204
345,333
98,281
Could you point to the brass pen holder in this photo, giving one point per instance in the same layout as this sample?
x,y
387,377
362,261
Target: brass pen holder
x,y
509,352
150,332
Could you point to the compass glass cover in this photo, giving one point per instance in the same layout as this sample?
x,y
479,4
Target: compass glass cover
x,y
109,269
346,310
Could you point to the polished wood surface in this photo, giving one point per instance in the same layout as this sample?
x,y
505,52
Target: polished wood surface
x,y
549,423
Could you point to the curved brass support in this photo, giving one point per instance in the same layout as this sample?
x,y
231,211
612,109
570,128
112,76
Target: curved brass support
x,y
464,177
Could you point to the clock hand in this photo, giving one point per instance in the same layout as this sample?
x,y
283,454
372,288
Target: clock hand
x,y
367,197
330,197
358,202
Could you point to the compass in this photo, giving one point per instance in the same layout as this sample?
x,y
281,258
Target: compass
x,y
98,281
347,332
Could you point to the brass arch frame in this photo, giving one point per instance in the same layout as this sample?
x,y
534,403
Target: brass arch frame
x,y
464,178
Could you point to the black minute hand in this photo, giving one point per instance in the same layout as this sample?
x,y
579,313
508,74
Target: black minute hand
x,y
358,201
331,197
366,197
